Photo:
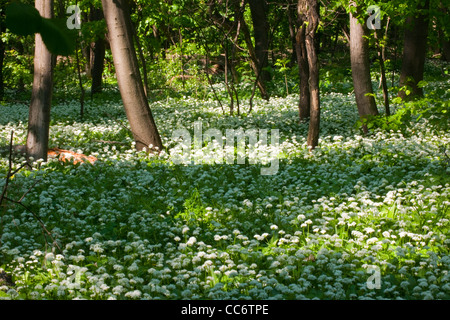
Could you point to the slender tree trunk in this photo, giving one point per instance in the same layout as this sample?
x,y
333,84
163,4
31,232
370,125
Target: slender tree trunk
x,y
380,50
414,51
80,84
298,35
2,50
444,41
258,9
98,66
253,59
303,69
136,105
446,50
291,13
360,63
41,96
312,14
99,49
2,59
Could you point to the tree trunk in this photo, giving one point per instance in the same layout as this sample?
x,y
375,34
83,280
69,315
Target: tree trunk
x,y
446,50
136,105
253,58
298,34
2,51
312,13
303,70
414,51
383,73
360,63
99,55
41,96
98,66
2,59
258,9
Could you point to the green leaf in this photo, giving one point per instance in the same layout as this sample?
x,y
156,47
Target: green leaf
x,y
23,19
57,38
422,84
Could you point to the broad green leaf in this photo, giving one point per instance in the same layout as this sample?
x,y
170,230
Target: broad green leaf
x,y
57,38
23,19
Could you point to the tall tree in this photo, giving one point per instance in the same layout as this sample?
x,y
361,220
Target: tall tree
x,y
258,9
98,47
232,29
41,96
302,61
360,63
2,49
311,8
136,105
414,50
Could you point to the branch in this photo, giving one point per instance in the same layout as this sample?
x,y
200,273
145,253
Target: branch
x,y
3,196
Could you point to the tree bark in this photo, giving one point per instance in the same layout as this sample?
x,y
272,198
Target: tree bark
x,y
2,50
41,96
303,70
230,27
312,13
136,105
253,59
98,66
414,51
2,59
360,63
446,50
99,48
258,10
383,73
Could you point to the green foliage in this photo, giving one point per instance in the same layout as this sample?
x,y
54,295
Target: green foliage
x,y
135,226
58,39
24,20
434,107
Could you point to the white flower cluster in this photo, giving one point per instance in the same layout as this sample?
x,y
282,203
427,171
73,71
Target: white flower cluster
x,y
135,226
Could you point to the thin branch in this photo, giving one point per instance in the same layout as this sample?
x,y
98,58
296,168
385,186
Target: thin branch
x,y
3,196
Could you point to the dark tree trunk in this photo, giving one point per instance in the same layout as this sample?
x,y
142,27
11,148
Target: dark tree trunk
x,y
41,96
229,27
446,50
98,48
298,35
303,69
360,63
414,51
253,59
135,102
2,51
258,9
2,58
312,14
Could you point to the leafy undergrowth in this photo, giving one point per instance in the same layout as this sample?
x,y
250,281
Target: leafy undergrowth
x,y
134,226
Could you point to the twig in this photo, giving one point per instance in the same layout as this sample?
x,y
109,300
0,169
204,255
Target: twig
x,y
3,196
8,175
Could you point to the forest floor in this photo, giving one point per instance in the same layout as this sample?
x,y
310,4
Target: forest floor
x,y
360,217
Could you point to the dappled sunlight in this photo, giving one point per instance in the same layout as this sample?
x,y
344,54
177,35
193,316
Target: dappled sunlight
x,y
138,226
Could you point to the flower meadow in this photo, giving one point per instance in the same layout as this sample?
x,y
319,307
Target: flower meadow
x,y
138,226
